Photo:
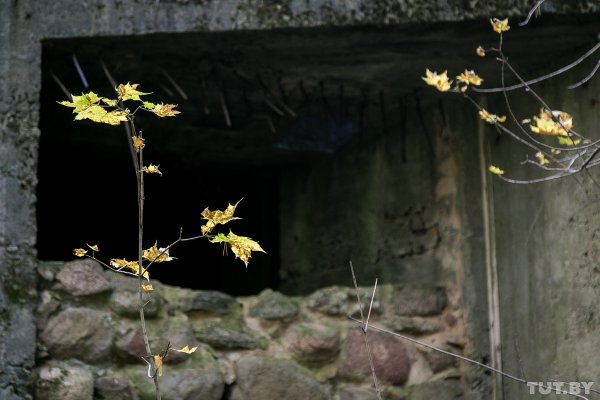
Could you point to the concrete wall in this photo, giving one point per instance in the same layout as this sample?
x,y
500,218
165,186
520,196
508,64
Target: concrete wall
x,y
547,248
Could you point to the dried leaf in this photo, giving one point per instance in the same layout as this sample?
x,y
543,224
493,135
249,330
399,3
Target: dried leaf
x,y
242,247
109,102
490,118
217,217
94,247
129,92
133,266
138,143
186,349
542,160
80,252
153,254
545,123
439,81
165,110
158,364
480,51
499,26
152,169
469,77
496,170
568,141
147,288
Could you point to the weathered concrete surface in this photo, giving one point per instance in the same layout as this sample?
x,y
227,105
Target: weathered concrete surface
x,y
547,251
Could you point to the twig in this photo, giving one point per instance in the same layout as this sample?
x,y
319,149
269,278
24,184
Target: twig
x,y
80,72
364,327
62,87
531,12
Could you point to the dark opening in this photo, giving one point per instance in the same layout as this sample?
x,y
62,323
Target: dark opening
x,y
320,131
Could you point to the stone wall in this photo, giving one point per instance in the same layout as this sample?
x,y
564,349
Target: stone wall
x,y
264,347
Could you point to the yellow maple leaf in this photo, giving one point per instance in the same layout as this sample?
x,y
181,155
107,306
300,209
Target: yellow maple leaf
x,y
568,141
439,81
496,170
499,26
242,247
133,266
80,252
158,364
153,254
480,51
129,92
217,217
542,160
94,247
186,349
546,124
138,143
82,102
165,110
469,77
490,118
152,169
147,288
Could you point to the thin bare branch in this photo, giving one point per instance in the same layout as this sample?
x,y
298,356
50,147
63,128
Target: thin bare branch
x,y
531,12
543,77
587,78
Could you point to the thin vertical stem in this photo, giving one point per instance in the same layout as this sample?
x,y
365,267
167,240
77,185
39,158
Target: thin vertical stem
x,y
139,173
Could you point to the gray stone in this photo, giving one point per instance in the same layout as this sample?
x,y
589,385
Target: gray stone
x,y
114,388
390,358
82,277
337,300
126,302
63,382
270,379
274,306
313,343
212,302
225,337
356,393
130,345
419,300
414,325
81,333
47,305
193,384
438,361
179,333
439,390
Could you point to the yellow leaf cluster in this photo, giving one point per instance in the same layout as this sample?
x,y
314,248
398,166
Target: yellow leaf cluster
x,y
129,92
490,118
568,141
499,26
165,110
80,252
152,169
439,81
214,218
496,170
157,255
546,123
133,266
469,78
86,107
